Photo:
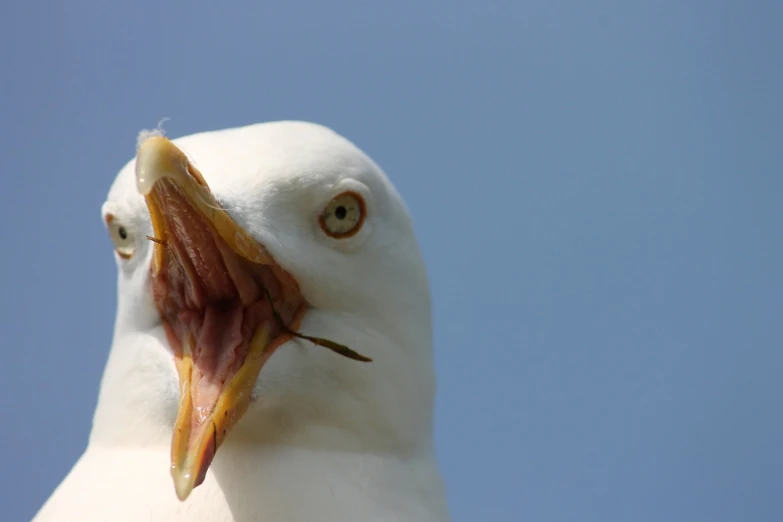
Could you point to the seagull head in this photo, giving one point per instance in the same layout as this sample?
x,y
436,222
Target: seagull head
x,y
270,291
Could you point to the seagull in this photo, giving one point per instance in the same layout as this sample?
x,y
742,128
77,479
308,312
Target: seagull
x,y
272,353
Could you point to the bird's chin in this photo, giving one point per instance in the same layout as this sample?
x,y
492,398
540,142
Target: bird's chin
x,y
224,303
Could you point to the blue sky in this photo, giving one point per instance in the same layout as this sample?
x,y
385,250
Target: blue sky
x,y
596,187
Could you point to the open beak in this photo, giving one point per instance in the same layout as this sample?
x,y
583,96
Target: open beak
x,y
224,302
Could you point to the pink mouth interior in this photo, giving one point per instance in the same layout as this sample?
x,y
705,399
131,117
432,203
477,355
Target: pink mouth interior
x,y
206,292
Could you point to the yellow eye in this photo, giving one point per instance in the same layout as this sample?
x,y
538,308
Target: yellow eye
x,y
343,216
121,237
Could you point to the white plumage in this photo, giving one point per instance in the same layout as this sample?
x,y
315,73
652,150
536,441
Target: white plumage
x,y
326,438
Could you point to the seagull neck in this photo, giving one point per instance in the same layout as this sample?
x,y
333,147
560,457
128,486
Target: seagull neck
x,y
138,399
337,485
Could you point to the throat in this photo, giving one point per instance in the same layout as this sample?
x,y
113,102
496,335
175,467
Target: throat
x,y
139,393
295,483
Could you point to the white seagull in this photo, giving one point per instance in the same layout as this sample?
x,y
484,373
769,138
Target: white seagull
x,y
272,352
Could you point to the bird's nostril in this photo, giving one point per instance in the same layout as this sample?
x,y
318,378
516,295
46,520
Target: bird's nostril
x,y
196,175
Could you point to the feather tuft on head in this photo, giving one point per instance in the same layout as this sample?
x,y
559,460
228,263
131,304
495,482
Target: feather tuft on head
x,y
146,134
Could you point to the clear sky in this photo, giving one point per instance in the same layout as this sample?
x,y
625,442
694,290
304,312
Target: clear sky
x,y
596,187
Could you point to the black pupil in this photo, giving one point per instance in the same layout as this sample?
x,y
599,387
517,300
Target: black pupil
x,y
123,233
340,212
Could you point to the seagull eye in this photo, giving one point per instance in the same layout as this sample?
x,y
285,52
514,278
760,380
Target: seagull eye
x,y
121,237
343,215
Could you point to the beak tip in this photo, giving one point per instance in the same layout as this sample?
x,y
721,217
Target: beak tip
x,y
192,473
182,484
157,157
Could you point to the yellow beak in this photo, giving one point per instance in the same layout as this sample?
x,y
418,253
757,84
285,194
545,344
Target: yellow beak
x,y
202,424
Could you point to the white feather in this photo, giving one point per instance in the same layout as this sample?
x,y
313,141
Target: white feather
x,y
327,439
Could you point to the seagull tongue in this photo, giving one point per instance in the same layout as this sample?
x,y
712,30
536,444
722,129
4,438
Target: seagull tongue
x,y
217,353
